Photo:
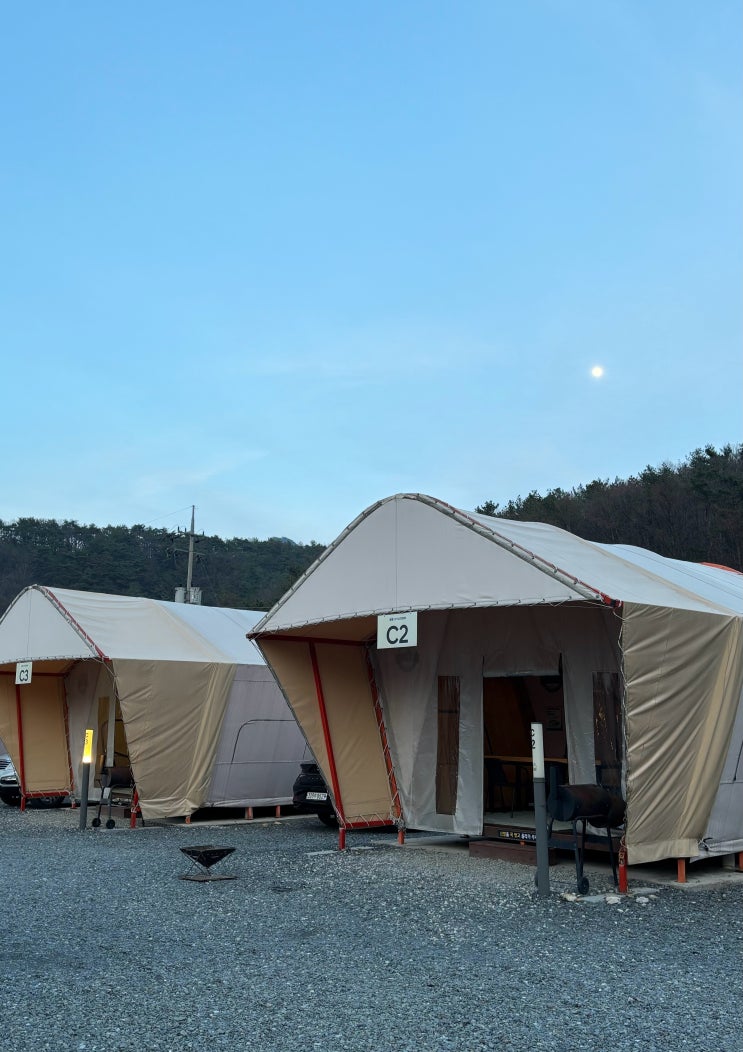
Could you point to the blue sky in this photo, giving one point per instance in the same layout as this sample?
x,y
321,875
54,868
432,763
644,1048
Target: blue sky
x,y
282,260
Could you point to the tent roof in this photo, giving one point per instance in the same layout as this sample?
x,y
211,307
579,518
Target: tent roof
x,y
413,552
43,624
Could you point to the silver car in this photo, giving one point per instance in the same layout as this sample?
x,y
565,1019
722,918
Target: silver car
x,y
10,789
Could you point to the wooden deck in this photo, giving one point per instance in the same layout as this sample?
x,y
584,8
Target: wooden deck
x,y
515,840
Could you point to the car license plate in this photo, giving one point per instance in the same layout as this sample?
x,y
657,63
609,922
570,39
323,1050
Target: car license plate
x,y
317,796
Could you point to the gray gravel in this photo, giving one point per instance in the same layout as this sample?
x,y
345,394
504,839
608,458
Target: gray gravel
x,y
377,948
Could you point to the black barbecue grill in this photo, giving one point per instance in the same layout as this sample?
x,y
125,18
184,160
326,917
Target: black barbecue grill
x,y
583,805
114,781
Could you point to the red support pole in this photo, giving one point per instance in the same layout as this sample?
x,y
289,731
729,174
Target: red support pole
x,y
67,739
739,861
21,760
376,702
401,836
134,810
329,749
681,870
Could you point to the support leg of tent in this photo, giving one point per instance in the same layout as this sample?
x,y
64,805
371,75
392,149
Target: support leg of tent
x,y
249,813
681,870
376,701
739,861
21,756
188,820
329,748
278,811
401,836
134,810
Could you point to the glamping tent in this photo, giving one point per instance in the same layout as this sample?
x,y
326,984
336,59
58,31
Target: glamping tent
x,y
632,662
175,691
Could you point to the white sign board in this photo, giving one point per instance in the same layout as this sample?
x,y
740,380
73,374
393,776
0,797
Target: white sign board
x,y
395,631
23,672
537,749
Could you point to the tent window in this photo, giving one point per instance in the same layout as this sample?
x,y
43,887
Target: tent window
x,y
607,728
447,755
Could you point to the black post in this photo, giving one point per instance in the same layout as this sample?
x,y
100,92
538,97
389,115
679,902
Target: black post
x,y
84,796
87,758
540,811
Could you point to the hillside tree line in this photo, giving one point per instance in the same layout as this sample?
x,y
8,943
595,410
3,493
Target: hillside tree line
x,y
139,561
691,511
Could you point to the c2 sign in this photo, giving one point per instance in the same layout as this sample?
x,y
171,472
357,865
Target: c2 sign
x,y
395,631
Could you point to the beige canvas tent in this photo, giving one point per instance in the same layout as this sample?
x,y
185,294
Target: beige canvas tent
x,y
176,691
632,662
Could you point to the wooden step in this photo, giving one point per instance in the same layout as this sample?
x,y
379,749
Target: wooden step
x,y
519,842
510,850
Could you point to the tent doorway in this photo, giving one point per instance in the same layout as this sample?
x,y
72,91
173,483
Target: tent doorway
x,y
510,704
608,730
113,748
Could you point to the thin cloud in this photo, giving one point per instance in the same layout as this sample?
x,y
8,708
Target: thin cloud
x,y
373,356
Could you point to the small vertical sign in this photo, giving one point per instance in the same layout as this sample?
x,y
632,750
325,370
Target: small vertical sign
x,y
88,747
23,672
537,749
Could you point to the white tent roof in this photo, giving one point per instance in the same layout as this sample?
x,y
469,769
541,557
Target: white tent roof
x,y
59,623
413,552
679,635
172,667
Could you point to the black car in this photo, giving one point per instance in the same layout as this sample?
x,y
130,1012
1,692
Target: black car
x,y
311,794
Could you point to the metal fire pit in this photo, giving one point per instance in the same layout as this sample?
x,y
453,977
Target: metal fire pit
x,y
203,857
582,805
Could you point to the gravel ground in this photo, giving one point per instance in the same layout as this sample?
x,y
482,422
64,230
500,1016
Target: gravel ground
x,y
376,948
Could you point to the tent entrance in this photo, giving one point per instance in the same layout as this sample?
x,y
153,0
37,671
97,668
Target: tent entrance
x,y
510,704
113,748
608,729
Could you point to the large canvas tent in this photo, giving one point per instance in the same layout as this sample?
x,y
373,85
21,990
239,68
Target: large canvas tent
x,y
174,690
632,661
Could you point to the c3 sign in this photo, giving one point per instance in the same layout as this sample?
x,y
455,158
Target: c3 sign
x,y
395,631
23,672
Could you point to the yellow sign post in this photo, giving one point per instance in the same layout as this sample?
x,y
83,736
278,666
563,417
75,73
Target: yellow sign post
x,y
87,760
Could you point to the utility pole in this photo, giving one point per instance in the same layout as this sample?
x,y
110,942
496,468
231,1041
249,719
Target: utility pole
x,y
190,556
189,594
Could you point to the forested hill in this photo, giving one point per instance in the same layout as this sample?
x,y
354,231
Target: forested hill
x,y
691,511
122,560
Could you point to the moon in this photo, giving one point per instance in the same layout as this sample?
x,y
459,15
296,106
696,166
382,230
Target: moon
x,y
597,372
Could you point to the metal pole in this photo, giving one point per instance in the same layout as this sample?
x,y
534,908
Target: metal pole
x,y
189,575
87,758
21,757
329,750
540,811
84,796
